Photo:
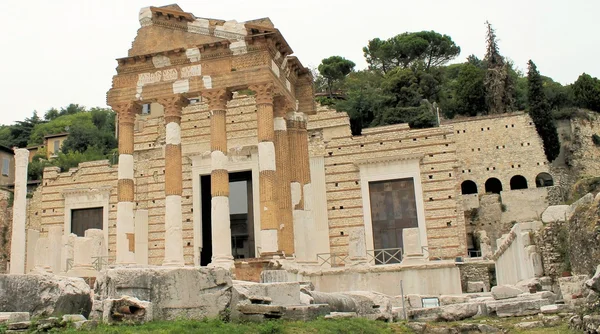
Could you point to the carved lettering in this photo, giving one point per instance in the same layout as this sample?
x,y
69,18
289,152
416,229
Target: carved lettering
x,y
191,71
149,78
169,75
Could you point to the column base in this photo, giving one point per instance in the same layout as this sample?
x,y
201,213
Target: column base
x,y
222,263
173,264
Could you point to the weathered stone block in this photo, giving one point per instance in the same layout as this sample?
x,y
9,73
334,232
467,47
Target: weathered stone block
x,y
505,291
555,213
8,317
44,295
184,292
515,307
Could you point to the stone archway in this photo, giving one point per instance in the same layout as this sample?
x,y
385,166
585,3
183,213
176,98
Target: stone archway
x,y
493,185
468,187
544,180
518,182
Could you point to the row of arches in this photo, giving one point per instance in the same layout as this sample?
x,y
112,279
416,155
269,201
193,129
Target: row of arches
x,y
494,185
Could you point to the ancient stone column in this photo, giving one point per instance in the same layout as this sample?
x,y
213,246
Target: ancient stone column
x,y
301,189
173,181
219,179
125,230
17,248
55,234
283,169
269,222
42,247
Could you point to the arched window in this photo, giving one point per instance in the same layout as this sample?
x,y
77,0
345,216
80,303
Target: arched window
x,y
544,180
468,187
493,185
518,182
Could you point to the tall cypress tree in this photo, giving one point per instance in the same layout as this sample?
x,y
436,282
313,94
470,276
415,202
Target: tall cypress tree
x,y
539,110
498,84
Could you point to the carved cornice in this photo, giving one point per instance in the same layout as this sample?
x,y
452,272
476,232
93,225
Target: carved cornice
x,y
264,92
392,158
104,190
217,98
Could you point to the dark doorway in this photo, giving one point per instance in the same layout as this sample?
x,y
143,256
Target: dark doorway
x,y
393,208
493,185
241,217
518,182
544,180
468,187
85,219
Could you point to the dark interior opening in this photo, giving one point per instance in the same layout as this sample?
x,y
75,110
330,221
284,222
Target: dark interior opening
x,y
468,187
493,185
518,182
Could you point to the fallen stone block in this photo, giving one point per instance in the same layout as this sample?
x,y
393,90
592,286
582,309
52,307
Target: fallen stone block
x,y
305,312
44,295
554,308
515,308
453,299
266,311
594,282
458,312
505,292
425,314
366,304
9,317
15,326
555,213
529,324
573,289
73,318
551,320
127,309
341,315
44,325
538,295
175,292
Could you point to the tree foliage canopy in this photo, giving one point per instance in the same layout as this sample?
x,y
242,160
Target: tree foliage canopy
x,y
334,69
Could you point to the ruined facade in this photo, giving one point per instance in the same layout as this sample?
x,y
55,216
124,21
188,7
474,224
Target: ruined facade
x,y
223,156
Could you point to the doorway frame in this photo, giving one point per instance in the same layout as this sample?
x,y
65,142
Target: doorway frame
x,y
391,168
201,165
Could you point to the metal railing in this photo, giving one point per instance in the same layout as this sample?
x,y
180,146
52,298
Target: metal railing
x,y
384,256
99,262
333,259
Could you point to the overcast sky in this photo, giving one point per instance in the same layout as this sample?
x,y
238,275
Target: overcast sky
x,y
60,52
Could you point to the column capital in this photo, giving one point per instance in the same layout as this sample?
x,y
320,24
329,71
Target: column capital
x,y
264,92
127,111
173,106
217,98
281,106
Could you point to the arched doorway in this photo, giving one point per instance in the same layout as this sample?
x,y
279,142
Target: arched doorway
x,y
518,182
544,180
493,185
468,187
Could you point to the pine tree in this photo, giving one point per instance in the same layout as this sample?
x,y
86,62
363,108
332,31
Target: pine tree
x,y
498,84
539,110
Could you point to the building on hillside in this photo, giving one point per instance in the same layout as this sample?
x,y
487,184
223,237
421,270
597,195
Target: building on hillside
x,y
226,160
34,150
7,175
53,143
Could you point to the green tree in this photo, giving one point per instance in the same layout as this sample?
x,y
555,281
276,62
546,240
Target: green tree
x,y
539,110
586,91
51,114
470,90
499,85
21,130
334,69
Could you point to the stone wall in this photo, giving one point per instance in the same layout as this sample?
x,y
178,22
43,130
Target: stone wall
x,y
477,271
552,243
499,146
5,228
517,257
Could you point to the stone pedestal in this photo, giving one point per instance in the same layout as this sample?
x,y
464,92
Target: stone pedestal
x,y
413,252
82,259
54,248
32,238
357,249
41,256
66,253
17,249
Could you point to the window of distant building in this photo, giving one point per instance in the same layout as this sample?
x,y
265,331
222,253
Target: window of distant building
x,y
56,147
5,166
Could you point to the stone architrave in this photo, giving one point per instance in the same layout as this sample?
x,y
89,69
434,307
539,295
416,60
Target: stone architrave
x,y
82,259
17,249
41,256
357,249
413,252
54,248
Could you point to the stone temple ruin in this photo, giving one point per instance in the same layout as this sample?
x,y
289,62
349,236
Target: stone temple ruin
x,y
227,169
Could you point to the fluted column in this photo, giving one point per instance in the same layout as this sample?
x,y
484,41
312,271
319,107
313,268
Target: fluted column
x,y
266,165
283,176
219,178
173,181
125,227
301,188
17,246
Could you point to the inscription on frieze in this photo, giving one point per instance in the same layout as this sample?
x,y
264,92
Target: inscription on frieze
x,y
142,79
